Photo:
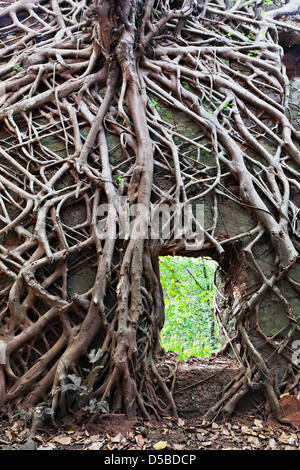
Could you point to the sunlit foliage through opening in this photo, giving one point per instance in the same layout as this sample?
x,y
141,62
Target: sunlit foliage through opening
x,y
190,327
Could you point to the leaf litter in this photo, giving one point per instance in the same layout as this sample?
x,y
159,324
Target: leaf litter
x,y
114,432
248,430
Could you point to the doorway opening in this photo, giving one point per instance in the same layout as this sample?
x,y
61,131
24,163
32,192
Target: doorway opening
x,y
190,327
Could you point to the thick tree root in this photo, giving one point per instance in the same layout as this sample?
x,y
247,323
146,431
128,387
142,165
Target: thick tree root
x,y
89,95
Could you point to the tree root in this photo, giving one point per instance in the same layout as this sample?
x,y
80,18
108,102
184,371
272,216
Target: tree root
x,y
90,95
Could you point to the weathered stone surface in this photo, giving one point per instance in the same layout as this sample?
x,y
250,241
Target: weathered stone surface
x,y
81,281
288,38
199,382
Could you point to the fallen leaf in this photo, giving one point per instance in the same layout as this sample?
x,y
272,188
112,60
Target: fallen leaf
x,y
9,435
69,431
258,423
292,441
139,440
64,441
117,438
94,446
160,445
94,437
254,441
284,438
246,430
86,441
178,446
215,426
15,427
225,432
191,429
272,444
48,446
206,444
141,430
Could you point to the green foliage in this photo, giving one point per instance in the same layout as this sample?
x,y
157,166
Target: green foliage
x,y
190,328
155,103
19,68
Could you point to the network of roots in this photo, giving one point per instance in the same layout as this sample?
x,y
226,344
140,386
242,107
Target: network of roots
x,y
174,103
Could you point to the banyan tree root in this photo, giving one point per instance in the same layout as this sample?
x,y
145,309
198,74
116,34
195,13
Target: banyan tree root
x,y
89,91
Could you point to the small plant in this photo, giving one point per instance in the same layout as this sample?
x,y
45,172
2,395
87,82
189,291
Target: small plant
x,y
77,385
254,53
94,405
42,412
23,415
19,68
120,180
227,106
155,103
84,402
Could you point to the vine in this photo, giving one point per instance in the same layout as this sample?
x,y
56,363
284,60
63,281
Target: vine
x,y
78,75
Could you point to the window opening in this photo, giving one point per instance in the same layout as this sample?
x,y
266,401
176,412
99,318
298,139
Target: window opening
x,y
190,327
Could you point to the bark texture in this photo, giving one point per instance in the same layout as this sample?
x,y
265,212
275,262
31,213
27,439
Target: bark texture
x,y
151,102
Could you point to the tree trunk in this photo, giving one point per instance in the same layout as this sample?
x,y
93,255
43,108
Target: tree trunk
x,y
134,129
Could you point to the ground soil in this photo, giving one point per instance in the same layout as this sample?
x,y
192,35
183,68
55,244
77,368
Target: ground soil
x,y
248,428
198,383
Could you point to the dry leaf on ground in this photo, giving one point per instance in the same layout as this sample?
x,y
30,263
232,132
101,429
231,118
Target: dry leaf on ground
x,y
160,445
